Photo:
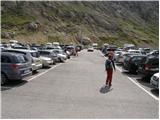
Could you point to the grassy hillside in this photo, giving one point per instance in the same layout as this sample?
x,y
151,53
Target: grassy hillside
x,y
101,21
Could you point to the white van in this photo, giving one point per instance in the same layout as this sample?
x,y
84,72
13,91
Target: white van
x,y
55,43
95,45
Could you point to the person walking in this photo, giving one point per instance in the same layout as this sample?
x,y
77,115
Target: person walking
x,y
109,66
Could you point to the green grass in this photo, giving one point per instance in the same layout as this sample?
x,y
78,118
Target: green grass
x,y
13,19
148,32
75,7
55,39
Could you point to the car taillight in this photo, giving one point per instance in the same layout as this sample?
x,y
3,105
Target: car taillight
x,y
146,67
15,66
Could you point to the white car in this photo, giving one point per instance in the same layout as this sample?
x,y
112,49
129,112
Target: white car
x,y
155,80
90,49
46,61
116,55
134,51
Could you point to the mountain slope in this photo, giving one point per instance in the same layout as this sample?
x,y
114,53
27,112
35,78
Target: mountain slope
x,y
114,22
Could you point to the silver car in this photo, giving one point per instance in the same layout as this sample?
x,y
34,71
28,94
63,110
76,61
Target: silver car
x,y
60,54
46,61
49,54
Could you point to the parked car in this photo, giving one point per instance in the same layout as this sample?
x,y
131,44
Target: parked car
x,y
154,53
71,49
90,49
79,47
50,54
120,58
60,54
46,61
14,67
31,55
132,62
68,54
116,55
146,51
155,80
149,66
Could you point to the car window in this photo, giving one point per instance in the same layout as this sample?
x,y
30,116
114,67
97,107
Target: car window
x,y
21,59
138,58
152,61
5,59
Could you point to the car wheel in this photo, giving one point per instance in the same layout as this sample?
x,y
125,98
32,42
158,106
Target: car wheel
x,y
3,79
34,71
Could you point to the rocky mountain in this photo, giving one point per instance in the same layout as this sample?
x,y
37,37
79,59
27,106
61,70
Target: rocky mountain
x,y
114,22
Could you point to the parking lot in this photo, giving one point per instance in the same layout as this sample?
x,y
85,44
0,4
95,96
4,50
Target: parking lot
x,y
74,89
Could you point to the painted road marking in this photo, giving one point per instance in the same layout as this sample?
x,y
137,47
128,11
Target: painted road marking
x,y
156,98
118,68
44,72
133,81
47,70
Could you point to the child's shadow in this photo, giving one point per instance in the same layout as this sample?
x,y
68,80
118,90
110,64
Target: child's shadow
x,y
105,89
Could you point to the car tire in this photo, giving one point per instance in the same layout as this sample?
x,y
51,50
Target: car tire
x,y
54,62
34,71
4,79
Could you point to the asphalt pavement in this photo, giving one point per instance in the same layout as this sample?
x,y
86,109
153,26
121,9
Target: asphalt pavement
x,y
75,89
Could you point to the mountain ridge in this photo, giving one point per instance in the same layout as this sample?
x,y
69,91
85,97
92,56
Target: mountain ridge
x,y
114,22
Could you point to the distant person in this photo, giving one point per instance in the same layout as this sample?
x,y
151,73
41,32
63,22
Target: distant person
x,y
109,66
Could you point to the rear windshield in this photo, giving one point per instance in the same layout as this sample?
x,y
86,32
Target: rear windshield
x,y
21,59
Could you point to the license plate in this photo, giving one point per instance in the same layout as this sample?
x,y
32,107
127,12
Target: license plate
x,y
155,69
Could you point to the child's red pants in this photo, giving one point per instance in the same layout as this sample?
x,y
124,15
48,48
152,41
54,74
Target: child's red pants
x,y
109,77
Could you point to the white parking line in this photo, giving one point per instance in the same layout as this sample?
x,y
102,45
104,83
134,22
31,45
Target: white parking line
x,y
156,98
133,81
44,72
